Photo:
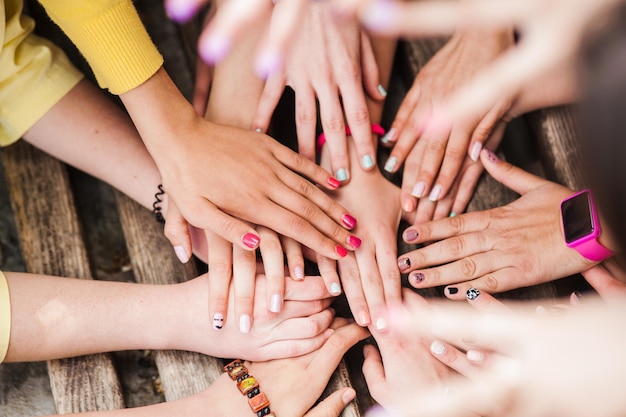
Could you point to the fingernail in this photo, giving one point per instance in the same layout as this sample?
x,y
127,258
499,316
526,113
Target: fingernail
x,y
348,396
341,175
417,277
418,190
379,15
333,182
298,272
437,348
452,290
475,153
181,254
408,205
335,288
267,63
341,251
244,323
218,321
391,164
367,161
472,294
576,297
404,264
381,323
180,11
364,318
258,130
276,303
214,49
382,90
490,155
349,221
452,214
474,356
410,235
435,193
354,241
389,136
251,240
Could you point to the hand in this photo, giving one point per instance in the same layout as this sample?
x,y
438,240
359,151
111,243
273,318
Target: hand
x,y
608,279
185,146
434,158
498,249
332,62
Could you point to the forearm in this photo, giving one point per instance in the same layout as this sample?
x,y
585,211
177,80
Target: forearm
x,y
55,317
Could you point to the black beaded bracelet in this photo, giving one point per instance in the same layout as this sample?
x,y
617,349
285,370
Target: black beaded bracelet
x,y
249,386
156,206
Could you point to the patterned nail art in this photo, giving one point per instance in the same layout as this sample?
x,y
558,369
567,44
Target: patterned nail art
x,y
404,264
472,294
391,164
410,235
417,277
218,321
452,290
490,155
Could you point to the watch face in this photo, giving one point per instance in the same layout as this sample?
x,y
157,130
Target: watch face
x,y
577,221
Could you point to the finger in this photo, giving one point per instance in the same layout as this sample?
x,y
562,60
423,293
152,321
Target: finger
x,y
485,302
244,274
454,359
499,280
386,256
311,288
332,405
425,210
177,232
331,353
304,327
511,176
372,287
272,92
273,263
404,113
328,271
332,119
434,150
292,348
374,372
353,288
446,228
295,258
369,69
220,274
306,121
604,282
410,191
492,122
183,10
202,86
410,146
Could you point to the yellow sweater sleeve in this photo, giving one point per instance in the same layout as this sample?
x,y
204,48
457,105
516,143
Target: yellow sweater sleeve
x,y
111,36
34,73
5,317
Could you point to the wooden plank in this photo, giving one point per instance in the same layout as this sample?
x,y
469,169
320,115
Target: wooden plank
x,y
51,243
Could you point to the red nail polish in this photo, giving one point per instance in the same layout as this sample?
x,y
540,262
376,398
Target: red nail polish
x,y
341,251
354,241
251,240
333,182
349,221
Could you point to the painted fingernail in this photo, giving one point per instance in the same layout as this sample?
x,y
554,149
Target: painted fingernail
x,y
218,321
452,290
367,161
418,190
298,273
348,221
576,297
276,303
258,130
214,48
267,63
435,193
381,323
180,11
410,235
474,356
382,90
472,294
341,251
335,288
333,182
354,241
379,15
341,175
181,254
389,136
404,264
437,348
391,164
251,240
475,153
417,277
244,323
490,155
452,214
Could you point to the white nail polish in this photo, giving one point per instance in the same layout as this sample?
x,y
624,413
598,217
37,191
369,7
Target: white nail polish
x,y
276,303
435,193
258,130
381,323
335,289
418,190
475,153
181,254
437,348
218,321
382,90
475,356
389,136
298,272
244,323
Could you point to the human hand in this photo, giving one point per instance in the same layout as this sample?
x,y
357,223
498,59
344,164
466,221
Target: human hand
x,y
434,157
608,279
332,62
498,249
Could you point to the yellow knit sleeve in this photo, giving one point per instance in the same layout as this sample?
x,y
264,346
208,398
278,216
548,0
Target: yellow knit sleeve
x,y
34,74
5,317
111,36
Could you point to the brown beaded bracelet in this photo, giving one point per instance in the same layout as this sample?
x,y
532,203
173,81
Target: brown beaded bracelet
x,y
249,386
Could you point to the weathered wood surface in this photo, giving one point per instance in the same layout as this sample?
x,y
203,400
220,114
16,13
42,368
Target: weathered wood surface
x,y
51,242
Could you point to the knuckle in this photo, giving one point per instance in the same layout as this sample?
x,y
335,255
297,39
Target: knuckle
x,y
359,115
455,246
456,224
335,125
306,117
219,269
298,226
468,267
490,283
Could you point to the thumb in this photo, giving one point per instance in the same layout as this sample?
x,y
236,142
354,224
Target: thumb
x,y
509,175
332,405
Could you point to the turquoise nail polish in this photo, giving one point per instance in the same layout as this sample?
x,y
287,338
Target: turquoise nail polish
x,y
382,90
391,164
341,175
368,161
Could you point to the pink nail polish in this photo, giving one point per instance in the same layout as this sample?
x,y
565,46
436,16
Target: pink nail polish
x,y
349,221
354,241
267,63
333,182
180,11
251,240
490,155
341,251
214,48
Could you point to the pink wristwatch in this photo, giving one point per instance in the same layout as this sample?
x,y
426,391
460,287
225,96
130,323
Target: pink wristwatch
x,y
581,226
